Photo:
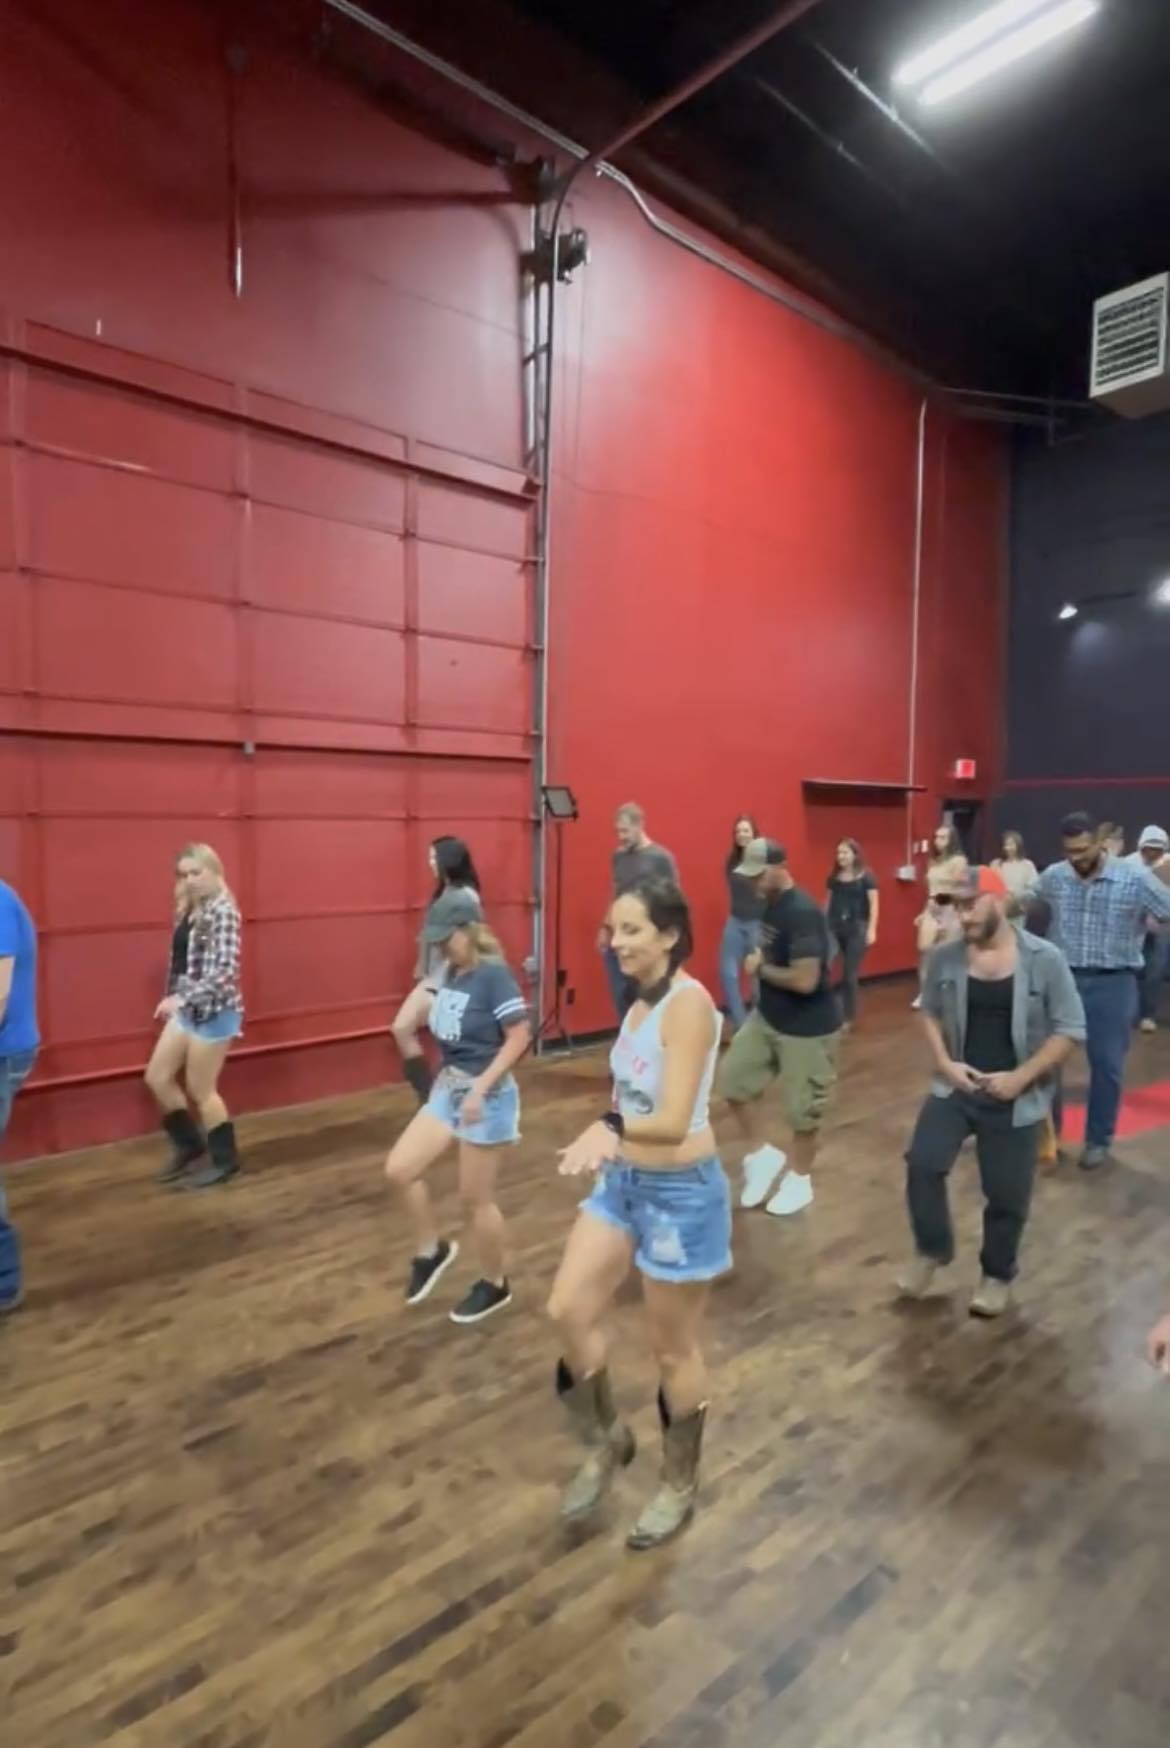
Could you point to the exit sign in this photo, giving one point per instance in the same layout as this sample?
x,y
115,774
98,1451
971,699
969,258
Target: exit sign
x,y
964,769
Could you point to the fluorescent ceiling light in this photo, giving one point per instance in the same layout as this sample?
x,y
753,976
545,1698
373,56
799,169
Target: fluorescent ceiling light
x,y
1068,611
1162,593
966,39
1007,49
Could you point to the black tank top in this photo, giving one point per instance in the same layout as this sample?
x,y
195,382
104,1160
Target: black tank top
x,y
989,1025
179,943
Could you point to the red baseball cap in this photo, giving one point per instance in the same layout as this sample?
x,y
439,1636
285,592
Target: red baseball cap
x,y
978,879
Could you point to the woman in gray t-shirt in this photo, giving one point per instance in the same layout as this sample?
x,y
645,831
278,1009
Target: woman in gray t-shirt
x,y
480,1022
449,860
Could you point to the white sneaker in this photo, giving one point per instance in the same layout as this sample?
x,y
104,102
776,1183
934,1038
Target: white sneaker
x,y
1149,1025
916,1003
760,1171
795,1193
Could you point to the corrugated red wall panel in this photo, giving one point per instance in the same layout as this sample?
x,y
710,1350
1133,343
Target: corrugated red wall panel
x,y
295,522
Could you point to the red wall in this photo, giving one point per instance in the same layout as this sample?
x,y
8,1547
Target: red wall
x,y
296,522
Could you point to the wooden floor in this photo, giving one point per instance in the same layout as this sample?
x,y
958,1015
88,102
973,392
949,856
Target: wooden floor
x,y
247,1497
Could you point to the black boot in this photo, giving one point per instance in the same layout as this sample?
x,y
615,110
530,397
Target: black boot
x,y
418,1073
224,1162
187,1142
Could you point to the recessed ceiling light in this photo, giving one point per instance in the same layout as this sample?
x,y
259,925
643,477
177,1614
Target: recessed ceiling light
x,y
1162,593
1006,49
1068,611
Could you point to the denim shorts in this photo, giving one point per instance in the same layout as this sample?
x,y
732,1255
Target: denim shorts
x,y
500,1124
679,1221
217,1030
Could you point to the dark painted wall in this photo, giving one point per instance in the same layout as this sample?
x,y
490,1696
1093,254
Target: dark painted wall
x,y
1088,700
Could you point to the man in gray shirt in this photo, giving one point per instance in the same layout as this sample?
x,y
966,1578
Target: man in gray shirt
x,y
636,859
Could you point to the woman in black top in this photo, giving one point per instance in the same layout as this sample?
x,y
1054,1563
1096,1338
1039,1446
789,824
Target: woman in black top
x,y
853,918
741,931
449,860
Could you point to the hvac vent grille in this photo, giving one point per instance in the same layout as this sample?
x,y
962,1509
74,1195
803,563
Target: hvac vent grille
x,y
1129,335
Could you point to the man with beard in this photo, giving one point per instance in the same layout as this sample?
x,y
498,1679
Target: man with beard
x,y
1001,1013
1101,909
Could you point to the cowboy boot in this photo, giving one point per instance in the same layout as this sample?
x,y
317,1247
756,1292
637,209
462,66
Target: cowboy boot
x,y
672,1507
187,1144
224,1161
608,1441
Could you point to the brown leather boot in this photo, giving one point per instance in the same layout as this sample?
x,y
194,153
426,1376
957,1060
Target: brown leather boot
x,y
609,1442
673,1506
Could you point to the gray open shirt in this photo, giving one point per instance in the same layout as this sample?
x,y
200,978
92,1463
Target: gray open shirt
x,y
1045,1004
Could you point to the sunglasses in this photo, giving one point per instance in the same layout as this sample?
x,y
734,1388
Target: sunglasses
x,y
943,898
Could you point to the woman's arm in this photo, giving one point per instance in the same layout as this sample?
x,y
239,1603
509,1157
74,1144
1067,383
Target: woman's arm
x,y
517,1038
688,1032
874,901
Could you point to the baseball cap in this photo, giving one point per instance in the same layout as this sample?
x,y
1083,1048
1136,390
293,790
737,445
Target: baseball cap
x,y
978,880
453,909
761,853
1153,838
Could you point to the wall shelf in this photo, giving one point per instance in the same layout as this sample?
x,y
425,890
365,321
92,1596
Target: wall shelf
x,y
863,783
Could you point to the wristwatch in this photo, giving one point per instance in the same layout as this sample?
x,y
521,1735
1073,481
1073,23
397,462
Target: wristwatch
x,y
615,1121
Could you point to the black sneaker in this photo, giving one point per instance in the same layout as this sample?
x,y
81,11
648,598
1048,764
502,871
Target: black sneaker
x,y
483,1299
426,1270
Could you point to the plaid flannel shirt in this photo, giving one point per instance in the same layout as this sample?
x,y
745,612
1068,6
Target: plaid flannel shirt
x,y
1101,922
211,983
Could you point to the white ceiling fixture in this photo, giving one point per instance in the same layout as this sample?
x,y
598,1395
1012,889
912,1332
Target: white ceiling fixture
x,y
1162,593
987,43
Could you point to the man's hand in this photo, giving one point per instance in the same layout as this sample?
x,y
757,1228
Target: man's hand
x,y
752,963
168,1007
1158,1346
590,1151
964,1078
1007,1085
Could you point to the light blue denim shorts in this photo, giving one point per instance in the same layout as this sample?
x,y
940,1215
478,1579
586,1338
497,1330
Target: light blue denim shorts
x,y
679,1221
500,1124
217,1030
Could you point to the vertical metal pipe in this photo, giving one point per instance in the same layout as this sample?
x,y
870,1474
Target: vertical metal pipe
x,y
916,626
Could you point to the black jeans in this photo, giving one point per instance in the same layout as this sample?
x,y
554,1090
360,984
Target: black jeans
x,y
852,942
1007,1169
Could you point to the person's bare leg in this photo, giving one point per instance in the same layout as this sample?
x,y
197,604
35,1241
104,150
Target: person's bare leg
x,y
478,1170
802,1153
167,1061
596,1261
204,1065
674,1314
421,1143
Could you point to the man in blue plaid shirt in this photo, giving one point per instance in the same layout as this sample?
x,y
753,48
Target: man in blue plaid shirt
x,y
1100,906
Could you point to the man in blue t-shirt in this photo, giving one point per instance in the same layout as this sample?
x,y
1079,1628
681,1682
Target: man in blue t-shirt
x,y
19,1039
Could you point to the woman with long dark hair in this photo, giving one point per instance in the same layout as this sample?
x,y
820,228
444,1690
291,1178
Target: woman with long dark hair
x,y
741,931
938,921
853,918
449,860
480,1020
661,1202
204,1013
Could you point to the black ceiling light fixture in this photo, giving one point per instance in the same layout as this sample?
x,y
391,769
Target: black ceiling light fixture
x,y
993,39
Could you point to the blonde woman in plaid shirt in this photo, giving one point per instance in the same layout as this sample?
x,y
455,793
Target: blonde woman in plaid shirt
x,y
204,1012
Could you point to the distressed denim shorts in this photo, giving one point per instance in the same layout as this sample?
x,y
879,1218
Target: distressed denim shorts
x,y
217,1030
500,1124
679,1221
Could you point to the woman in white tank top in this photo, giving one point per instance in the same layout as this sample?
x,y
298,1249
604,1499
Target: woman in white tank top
x,y
661,1202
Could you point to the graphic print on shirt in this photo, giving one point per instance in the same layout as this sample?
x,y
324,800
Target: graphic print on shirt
x,y
628,1067
450,1005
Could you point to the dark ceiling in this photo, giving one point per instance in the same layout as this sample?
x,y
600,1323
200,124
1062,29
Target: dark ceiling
x,y
973,238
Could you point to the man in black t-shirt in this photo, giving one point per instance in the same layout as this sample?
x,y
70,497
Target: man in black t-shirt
x,y
792,1034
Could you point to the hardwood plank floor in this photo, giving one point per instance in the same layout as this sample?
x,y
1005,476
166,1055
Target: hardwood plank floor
x,y
249,1500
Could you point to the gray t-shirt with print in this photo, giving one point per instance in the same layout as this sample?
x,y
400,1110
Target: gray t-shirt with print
x,y
650,862
471,1013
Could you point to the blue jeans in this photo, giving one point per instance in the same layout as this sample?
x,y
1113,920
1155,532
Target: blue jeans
x,y
740,938
1157,957
14,1071
1110,999
620,989
678,1222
